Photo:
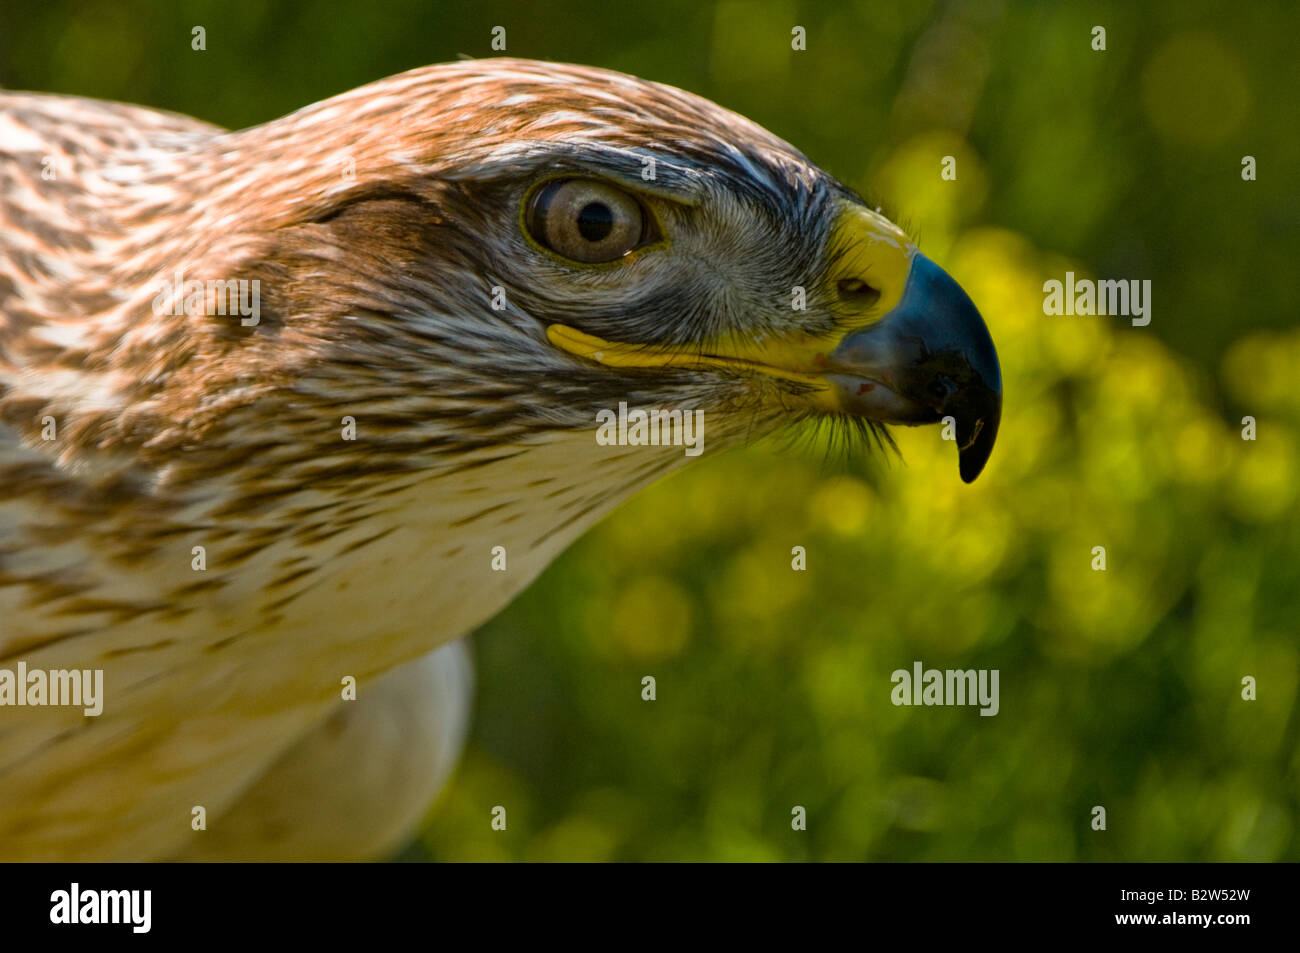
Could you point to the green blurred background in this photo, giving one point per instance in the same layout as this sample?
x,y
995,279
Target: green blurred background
x,y
1119,688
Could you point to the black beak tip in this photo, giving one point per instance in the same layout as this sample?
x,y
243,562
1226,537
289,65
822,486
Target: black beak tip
x,y
961,343
977,409
974,453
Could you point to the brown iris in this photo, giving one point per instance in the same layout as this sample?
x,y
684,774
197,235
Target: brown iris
x,y
587,221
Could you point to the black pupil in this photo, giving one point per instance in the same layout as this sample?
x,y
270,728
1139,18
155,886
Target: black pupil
x,y
595,221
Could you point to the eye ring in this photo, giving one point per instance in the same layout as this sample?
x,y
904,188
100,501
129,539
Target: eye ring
x,y
587,221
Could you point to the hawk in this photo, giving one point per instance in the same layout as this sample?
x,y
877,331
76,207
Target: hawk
x,y
275,403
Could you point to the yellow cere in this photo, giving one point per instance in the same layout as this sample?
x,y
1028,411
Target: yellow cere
x,y
868,248
872,249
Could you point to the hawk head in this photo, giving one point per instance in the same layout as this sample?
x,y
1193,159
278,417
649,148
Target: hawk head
x,y
503,247
466,263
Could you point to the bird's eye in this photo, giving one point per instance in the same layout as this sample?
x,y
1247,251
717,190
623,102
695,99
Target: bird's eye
x,y
588,221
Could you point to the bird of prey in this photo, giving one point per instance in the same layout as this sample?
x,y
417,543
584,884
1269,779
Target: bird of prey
x,y
364,417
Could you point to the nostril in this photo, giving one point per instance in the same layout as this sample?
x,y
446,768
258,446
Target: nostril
x,y
858,291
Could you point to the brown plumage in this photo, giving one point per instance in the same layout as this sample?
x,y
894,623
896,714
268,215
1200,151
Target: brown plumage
x,y
398,287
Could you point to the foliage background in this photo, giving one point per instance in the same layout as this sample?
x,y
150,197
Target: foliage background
x,y
1119,688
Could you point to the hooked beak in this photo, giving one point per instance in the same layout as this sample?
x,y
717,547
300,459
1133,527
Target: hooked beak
x,y
909,348
928,358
